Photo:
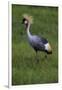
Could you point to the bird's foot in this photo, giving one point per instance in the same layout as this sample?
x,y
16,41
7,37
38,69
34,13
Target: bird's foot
x,y
37,60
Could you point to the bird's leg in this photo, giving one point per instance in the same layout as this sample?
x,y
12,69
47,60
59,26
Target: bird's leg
x,y
37,59
45,55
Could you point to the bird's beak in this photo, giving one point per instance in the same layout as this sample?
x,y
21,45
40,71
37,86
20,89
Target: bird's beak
x,y
22,21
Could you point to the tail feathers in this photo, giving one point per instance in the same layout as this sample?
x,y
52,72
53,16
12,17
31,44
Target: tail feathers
x,y
48,48
48,52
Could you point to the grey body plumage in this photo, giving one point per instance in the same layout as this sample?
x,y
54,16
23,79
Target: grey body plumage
x,y
38,43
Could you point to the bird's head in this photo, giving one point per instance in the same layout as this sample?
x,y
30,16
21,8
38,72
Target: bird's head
x,y
27,19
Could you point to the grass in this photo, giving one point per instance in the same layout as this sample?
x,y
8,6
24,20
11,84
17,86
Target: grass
x,y
25,70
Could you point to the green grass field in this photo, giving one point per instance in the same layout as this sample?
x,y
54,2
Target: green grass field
x,y
25,70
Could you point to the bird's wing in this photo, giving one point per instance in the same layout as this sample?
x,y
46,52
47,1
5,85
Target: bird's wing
x,y
40,39
38,42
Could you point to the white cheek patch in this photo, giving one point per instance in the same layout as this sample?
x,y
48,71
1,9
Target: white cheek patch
x,y
25,22
47,47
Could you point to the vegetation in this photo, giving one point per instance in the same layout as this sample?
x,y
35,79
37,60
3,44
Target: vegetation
x,y
25,70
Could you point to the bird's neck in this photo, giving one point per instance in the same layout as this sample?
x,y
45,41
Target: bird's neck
x,y
28,28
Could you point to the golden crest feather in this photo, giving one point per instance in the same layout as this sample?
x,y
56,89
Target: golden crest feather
x,y
28,17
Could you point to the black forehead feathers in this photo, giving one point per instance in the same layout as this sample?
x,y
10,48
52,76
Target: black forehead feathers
x,y
23,20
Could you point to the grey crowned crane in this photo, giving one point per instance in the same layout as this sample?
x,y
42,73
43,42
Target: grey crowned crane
x,y
38,43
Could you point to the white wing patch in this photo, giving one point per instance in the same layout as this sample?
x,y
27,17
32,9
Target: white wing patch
x,y
48,47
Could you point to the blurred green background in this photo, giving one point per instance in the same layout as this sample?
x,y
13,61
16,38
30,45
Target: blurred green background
x,y
25,70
